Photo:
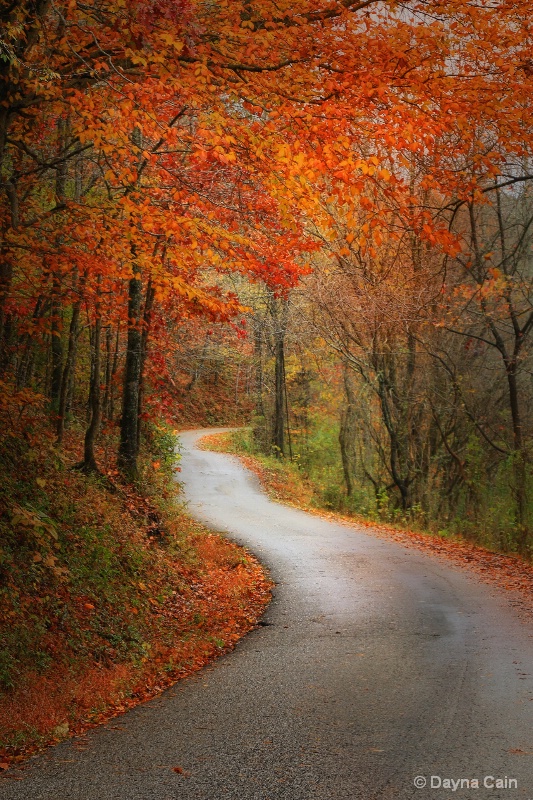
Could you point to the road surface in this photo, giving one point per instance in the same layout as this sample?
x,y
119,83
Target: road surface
x,y
378,669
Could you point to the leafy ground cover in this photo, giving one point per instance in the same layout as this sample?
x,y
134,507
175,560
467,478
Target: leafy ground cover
x,y
108,594
283,482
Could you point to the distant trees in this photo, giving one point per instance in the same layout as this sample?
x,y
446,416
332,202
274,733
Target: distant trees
x,y
492,313
435,358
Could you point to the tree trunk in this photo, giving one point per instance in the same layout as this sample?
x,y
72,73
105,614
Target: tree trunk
x,y
6,275
95,406
258,352
519,460
278,428
129,447
68,371
395,455
114,367
56,346
147,321
26,360
347,433
108,369
57,311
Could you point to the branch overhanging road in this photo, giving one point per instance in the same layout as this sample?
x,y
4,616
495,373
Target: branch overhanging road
x,y
376,664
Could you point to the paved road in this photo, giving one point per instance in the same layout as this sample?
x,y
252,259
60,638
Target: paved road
x,y
377,664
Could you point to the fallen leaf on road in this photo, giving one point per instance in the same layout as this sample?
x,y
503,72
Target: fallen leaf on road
x,y
181,771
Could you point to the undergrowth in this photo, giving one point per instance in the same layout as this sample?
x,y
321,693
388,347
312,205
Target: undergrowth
x,y
107,593
316,483
286,482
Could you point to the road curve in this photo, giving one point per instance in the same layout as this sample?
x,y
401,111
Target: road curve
x,y
376,665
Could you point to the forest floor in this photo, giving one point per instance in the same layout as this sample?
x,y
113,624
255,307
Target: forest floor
x,y
507,571
108,593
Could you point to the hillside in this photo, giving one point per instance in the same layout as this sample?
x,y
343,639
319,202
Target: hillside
x,y
109,593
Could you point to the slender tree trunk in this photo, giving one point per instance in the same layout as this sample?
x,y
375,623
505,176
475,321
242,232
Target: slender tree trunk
x,y
395,465
199,368
57,310
346,432
6,276
258,349
129,447
114,368
68,371
147,322
108,369
56,346
287,415
519,460
278,432
25,364
95,406
278,309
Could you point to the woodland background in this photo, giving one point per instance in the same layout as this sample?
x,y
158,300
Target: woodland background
x,y
314,218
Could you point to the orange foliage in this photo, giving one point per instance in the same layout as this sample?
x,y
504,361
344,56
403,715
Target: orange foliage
x,y
219,601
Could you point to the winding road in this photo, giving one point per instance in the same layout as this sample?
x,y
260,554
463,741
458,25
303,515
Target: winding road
x,y
376,666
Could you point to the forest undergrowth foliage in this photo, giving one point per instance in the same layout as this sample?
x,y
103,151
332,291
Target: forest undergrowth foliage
x,y
108,593
314,478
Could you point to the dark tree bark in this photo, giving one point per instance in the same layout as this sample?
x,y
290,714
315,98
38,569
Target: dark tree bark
x,y
27,346
129,442
259,378
108,370
6,276
57,310
114,368
95,406
56,345
278,310
347,432
68,370
67,378
278,428
147,321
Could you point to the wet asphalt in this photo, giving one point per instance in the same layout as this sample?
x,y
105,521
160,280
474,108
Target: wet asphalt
x,y
376,666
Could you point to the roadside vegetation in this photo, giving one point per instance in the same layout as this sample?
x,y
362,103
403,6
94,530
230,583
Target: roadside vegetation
x,y
109,593
285,482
